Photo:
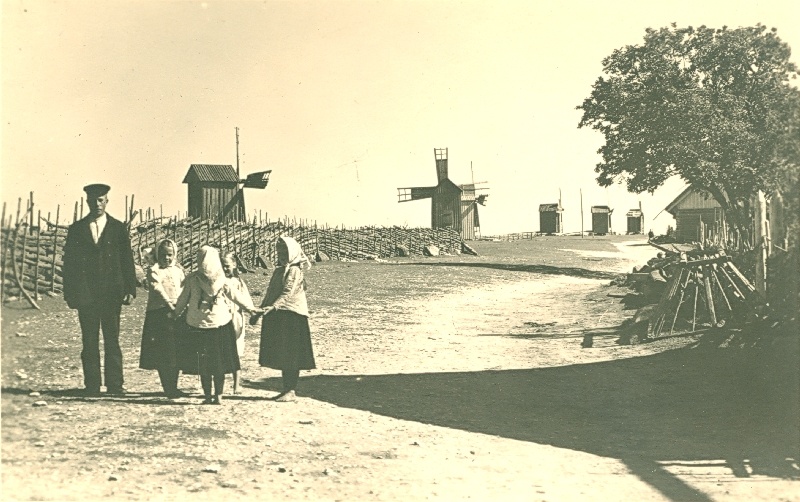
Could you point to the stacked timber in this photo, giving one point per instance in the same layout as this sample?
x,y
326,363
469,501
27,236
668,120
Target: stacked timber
x,y
705,289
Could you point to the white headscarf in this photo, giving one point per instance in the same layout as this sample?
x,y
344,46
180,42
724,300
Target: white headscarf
x,y
296,254
209,267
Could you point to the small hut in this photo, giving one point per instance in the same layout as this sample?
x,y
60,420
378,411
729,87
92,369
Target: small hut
x,y
550,218
635,221
601,220
696,215
214,192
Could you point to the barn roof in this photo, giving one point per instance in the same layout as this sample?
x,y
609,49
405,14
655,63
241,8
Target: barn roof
x,y
210,172
688,196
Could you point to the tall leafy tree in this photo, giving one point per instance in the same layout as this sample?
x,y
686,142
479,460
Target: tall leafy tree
x,y
717,107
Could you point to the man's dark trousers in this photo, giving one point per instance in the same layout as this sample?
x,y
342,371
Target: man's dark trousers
x,y
92,318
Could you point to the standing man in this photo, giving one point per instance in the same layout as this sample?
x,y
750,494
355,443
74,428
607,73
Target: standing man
x,y
99,277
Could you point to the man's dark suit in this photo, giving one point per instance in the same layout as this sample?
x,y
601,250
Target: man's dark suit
x,y
96,279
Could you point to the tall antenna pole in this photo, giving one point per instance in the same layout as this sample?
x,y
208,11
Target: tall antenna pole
x,y
472,172
237,154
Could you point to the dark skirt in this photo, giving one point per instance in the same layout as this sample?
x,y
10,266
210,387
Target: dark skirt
x,y
158,341
210,351
286,342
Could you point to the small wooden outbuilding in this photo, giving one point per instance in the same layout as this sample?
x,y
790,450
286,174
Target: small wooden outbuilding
x,y
696,215
601,220
214,192
550,218
635,221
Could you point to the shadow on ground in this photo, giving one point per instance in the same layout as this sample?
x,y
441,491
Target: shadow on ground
x,y
534,269
736,406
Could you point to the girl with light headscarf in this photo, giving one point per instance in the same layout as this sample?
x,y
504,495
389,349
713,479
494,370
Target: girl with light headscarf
x,y
285,335
209,343
158,351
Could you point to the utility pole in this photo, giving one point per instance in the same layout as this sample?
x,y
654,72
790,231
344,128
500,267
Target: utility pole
x,y
237,154
581,191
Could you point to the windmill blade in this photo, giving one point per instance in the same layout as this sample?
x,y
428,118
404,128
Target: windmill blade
x,y
257,180
414,193
481,199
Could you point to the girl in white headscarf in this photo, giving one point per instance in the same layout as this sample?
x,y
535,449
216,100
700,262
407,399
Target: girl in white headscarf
x,y
165,282
209,344
285,335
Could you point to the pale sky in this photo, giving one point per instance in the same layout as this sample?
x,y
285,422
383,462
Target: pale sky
x,y
344,100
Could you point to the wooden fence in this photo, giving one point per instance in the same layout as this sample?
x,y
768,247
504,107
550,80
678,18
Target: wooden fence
x,y
32,246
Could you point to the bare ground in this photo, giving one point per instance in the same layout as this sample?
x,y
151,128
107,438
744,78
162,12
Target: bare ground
x,y
447,378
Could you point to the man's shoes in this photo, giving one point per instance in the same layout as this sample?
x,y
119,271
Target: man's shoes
x,y
116,391
91,392
177,394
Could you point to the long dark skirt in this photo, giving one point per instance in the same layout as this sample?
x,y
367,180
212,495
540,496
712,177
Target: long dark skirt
x,y
209,351
158,341
286,342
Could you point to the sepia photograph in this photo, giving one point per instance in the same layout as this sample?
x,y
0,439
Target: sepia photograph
x,y
400,250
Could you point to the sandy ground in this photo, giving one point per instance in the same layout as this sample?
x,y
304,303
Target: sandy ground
x,y
484,393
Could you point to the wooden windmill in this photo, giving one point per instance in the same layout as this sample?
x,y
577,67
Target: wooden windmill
x,y
452,206
214,190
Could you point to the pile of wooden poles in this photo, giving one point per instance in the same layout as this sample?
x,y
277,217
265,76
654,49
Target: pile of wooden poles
x,y
704,289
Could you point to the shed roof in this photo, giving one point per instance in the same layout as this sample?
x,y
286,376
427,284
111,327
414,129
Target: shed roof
x,y
602,209
550,208
634,213
211,172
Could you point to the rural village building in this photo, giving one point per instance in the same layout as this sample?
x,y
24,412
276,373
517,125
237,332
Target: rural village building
x,y
601,220
635,221
214,191
696,215
551,218
452,206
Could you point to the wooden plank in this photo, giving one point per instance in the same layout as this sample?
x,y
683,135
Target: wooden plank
x,y
709,297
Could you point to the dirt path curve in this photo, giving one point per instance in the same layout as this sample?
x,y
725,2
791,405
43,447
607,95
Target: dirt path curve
x,y
480,393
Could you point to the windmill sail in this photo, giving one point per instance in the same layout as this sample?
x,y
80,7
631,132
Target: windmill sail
x,y
414,193
257,180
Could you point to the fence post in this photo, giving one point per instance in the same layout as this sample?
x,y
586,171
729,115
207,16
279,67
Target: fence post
x,y
55,254
38,250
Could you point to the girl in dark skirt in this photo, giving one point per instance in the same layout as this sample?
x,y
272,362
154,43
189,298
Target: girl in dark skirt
x,y
285,335
207,346
165,282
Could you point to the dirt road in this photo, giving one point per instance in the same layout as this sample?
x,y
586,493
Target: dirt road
x,y
478,389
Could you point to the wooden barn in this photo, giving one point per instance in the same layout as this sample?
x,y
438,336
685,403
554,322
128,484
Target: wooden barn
x,y
696,214
214,192
635,221
551,218
601,220
452,206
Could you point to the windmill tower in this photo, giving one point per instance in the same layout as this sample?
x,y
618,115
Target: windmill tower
x,y
214,189
452,206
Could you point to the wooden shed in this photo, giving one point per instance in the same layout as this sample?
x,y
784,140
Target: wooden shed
x,y
214,192
550,218
696,215
635,221
601,220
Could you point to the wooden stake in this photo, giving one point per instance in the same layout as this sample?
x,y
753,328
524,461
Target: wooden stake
x,y
55,247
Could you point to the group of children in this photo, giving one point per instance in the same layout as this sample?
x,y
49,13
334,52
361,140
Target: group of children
x,y
195,323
